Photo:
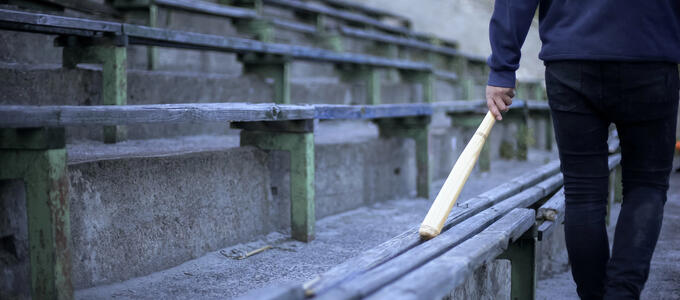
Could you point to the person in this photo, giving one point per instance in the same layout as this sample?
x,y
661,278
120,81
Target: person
x,y
606,61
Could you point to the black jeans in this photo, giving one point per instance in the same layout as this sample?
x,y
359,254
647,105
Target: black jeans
x,y
641,99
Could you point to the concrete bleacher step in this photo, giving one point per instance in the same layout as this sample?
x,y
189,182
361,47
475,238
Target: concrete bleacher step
x,y
340,236
179,177
81,86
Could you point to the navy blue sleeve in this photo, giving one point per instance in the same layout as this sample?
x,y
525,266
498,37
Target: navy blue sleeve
x,y
508,29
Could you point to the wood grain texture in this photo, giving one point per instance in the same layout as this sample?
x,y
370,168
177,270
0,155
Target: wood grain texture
x,y
348,112
56,116
410,238
364,284
143,35
447,196
441,275
209,8
396,40
338,14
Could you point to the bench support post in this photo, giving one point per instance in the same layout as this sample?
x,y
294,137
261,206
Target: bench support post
x,y
418,129
261,29
470,122
522,256
296,137
38,157
371,77
524,136
425,79
325,38
112,55
460,65
271,68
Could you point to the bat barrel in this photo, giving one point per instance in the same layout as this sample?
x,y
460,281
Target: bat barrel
x,y
443,203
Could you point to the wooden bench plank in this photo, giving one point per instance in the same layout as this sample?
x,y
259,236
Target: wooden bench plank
x,y
552,211
335,13
348,112
364,284
144,35
409,239
57,116
209,8
440,276
294,26
459,106
391,39
44,23
365,9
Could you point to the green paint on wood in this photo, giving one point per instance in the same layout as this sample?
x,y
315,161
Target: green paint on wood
x,y
484,161
507,150
114,77
522,256
370,77
524,140
301,148
114,90
549,133
276,70
426,81
418,129
261,29
47,204
468,88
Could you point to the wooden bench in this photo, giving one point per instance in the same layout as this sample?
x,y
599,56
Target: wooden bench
x,y
496,224
91,41
368,10
32,145
32,148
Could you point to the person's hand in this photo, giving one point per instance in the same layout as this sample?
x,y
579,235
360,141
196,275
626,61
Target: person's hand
x,y
498,99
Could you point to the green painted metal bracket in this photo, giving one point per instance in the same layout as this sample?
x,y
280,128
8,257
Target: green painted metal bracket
x,y
425,79
371,77
471,121
522,256
418,129
37,157
296,137
268,67
111,53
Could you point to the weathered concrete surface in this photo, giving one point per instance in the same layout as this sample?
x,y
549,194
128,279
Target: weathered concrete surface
x,y
466,21
490,281
339,237
14,256
82,86
133,210
664,277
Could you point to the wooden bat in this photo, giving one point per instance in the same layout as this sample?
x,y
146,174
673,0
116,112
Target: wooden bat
x,y
440,209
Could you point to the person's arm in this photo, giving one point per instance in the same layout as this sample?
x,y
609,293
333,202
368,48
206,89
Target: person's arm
x,y
508,29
